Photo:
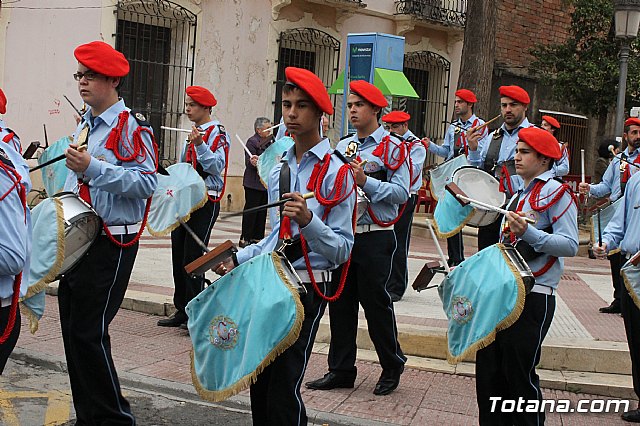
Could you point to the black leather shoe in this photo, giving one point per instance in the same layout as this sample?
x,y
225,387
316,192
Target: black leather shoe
x,y
632,416
175,320
613,308
388,382
331,381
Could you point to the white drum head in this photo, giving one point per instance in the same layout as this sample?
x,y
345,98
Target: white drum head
x,y
480,185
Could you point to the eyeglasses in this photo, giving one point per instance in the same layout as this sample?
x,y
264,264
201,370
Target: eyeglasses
x,y
90,76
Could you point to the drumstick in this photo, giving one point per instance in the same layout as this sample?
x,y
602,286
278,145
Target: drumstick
x,y
599,229
611,148
490,207
56,159
438,248
177,129
482,126
193,234
266,206
273,127
244,146
582,165
73,106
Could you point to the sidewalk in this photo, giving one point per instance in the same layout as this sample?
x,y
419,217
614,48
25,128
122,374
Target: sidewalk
x,y
585,351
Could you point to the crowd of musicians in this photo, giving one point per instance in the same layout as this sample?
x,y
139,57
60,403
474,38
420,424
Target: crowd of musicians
x,y
344,261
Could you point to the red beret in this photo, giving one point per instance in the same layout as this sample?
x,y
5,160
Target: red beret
x,y
309,83
632,121
396,117
541,141
100,57
552,121
368,92
3,102
516,93
202,96
466,95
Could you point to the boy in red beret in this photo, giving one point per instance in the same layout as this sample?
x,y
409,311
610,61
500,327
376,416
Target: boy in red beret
x,y
116,174
384,181
505,370
398,123
207,151
495,154
551,125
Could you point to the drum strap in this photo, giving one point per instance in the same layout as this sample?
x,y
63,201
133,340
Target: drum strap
x,y
192,157
625,172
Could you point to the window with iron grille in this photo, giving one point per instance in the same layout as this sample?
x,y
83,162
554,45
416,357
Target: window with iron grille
x,y
158,39
310,49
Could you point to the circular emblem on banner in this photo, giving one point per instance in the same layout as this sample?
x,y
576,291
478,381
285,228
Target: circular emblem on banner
x,y
461,309
223,332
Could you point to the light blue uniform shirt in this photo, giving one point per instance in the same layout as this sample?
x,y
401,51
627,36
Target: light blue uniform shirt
x,y
507,151
211,162
15,155
15,236
13,142
448,146
561,167
610,183
418,154
623,230
330,241
384,196
563,242
119,190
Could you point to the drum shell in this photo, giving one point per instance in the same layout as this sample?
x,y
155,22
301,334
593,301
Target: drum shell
x,y
362,202
81,228
481,186
519,263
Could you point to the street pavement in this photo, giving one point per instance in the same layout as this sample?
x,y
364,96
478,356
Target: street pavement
x,y
584,355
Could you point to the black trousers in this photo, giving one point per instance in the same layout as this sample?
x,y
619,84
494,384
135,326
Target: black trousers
x,y
89,297
631,317
615,262
366,285
7,347
253,223
399,270
455,249
507,367
185,250
275,396
490,234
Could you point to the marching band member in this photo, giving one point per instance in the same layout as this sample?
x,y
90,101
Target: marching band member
x,y
208,154
385,181
115,174
15,246
398,123
551,125
496,154
455,144
613,184
325,228
506,368
623,232
12,141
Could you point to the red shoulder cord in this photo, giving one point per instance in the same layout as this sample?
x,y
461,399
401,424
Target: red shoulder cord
x,y
534,202
336,195
192,157
8,137
15,177
388,155
626,175
136,151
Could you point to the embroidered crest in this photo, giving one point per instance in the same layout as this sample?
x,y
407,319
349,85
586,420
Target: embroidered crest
x,y
221,128
456,129
351,150
461,309
497,133
5,158
223,332
140,116
83,136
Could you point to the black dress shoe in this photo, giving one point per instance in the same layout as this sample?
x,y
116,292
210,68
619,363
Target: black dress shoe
x,y
389,381
613,308
331,381
631,416
175,320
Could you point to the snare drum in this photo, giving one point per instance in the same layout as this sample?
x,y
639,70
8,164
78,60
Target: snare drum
x,y
81,228
481,186
362,202
442,173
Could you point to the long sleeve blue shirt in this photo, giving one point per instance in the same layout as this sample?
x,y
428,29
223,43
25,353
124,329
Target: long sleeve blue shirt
x,y
610,184
212,162
119,189
623,231
330,240
418,155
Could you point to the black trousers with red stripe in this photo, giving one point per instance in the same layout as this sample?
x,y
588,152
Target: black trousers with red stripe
x,y
89,297
7,347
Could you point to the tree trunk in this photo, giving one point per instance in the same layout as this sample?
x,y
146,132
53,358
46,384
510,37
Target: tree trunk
x,y
478,53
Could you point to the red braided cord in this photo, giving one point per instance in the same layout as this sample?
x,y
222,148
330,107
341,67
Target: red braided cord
x,y
214,147
138,235
386,154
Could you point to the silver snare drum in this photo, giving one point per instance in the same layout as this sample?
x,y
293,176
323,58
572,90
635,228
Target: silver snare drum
x,y
362,202
481,186
519,263
81,228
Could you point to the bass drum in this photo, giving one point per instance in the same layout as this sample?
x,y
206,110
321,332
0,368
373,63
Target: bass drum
x,y
81,228
481,186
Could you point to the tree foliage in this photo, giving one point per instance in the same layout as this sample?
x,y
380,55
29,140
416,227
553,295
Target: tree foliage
x,y
584,70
